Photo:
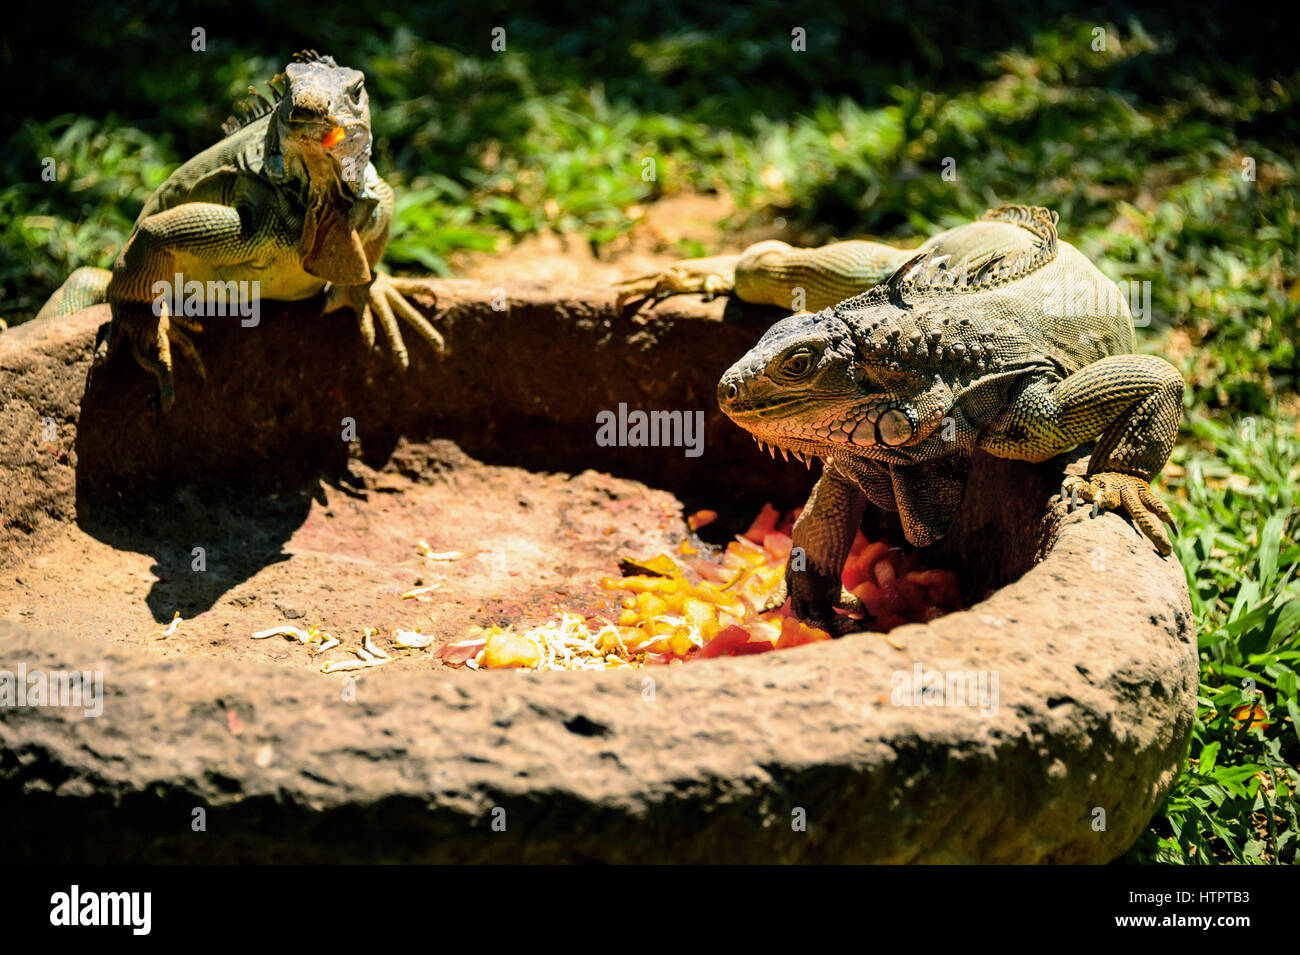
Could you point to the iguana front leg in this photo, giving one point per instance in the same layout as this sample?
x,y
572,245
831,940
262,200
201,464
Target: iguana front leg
x,y
823,536
215,233
929,495
1131,405
382,297
775,273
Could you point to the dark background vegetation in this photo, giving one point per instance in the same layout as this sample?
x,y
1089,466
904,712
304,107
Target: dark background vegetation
x,y
1140,147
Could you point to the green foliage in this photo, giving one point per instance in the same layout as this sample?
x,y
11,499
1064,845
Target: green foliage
x,y
82,217
1235,505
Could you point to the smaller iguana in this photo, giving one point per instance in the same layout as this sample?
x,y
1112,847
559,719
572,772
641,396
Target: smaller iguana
x,y
288,198
993,335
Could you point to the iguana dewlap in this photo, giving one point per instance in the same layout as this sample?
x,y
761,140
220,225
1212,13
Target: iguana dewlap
x,y
289,200
994,335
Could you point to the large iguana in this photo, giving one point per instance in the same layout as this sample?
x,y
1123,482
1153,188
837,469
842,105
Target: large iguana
x,y
288,198
994,335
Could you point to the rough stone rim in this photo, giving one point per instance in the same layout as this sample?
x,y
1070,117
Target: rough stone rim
x,y
672,767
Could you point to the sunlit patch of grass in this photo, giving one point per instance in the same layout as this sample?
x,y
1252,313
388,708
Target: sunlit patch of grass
x,y
1232,487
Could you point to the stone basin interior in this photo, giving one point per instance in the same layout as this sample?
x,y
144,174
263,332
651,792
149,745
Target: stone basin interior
x,y
246,508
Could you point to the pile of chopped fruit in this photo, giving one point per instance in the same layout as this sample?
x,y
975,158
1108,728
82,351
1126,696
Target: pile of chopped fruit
x,y
675,609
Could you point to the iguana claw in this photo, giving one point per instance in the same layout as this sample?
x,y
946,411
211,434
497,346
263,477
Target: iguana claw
x,y
851,621
1110,490
708,277
838,624
152,337
384,299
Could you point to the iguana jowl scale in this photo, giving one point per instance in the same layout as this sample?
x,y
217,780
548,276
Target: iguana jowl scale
x,y
289,200
995,335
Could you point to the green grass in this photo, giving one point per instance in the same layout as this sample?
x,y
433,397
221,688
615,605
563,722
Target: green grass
x,y
1233,495
1140,147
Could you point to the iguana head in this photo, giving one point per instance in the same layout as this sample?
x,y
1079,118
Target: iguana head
x,y
805,387
863,378
323,121
876,375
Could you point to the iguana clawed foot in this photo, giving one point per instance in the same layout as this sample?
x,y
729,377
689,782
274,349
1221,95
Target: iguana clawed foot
x,y
1110,490
384,300
709,277
821,614
152,338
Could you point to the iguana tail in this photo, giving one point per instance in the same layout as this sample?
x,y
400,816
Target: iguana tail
x,y
85,287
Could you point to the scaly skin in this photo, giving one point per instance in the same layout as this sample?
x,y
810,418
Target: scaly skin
x,y
994,335
289,200
774,273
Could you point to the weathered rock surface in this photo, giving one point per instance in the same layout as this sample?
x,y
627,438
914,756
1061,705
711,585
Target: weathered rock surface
x,y
1092,646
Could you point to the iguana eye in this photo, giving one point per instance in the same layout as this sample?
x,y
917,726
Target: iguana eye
x,y
797,364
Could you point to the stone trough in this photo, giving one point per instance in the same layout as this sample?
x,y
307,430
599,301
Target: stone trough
x,y
246,508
